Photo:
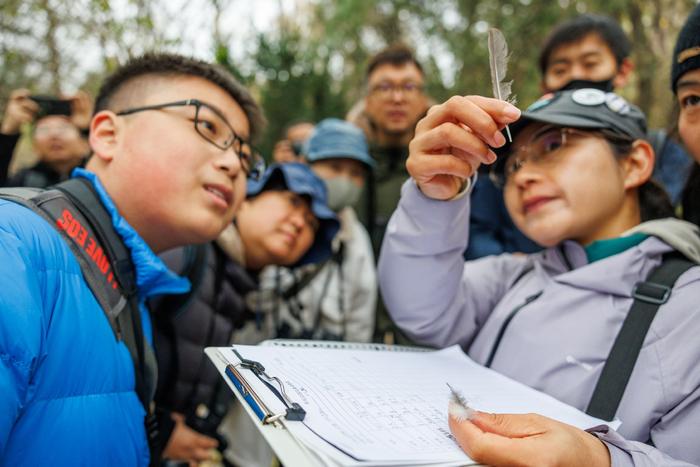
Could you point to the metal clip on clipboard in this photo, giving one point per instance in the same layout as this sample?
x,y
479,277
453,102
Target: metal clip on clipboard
x,y
293,412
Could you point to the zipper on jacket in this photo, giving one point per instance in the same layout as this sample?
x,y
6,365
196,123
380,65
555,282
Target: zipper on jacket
x,y
505,324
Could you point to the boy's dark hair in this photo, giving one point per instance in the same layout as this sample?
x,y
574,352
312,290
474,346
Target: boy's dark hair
x,y
173,65
397,55
579,27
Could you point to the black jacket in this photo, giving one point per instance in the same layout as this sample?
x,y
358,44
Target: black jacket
x,y
188,382
40,175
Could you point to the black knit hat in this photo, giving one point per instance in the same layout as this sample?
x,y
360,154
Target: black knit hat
x,y
686,56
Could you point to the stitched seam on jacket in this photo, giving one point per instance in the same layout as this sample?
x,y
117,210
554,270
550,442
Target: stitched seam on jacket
x,y
97,394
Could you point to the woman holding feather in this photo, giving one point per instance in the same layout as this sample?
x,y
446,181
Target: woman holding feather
x,y
574,177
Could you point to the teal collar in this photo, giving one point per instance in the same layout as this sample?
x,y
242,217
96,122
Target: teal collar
x,y
602,249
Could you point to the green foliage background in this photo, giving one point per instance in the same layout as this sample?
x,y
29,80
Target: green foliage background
x,y
309,63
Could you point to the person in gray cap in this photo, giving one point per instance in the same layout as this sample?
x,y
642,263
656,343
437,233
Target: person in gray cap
x,y
578,320
337,298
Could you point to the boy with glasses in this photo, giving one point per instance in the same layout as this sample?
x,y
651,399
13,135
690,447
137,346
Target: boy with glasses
x,y
170,140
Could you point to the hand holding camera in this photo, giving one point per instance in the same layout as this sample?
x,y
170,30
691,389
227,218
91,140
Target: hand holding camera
x,y
20,110
23,107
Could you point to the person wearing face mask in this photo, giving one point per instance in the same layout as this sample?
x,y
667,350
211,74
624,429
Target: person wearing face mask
x,y
592,51
336,299
588,51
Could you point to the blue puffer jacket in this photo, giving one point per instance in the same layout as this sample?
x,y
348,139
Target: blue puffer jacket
x,y
67,387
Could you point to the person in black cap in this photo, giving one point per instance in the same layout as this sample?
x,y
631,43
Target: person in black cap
x,y
575,178
685,83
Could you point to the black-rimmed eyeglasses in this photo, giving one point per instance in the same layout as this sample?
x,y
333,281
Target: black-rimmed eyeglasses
x,y
213,127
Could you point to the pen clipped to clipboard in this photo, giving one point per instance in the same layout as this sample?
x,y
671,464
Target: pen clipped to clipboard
x,y
293,411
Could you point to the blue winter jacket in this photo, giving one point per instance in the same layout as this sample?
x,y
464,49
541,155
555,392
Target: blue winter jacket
x,y
67,386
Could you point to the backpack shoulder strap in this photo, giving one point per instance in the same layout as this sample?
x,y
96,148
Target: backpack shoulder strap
x,y
74,209
121,279
648,296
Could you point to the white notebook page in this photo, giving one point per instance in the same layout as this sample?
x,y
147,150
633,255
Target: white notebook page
x,y
391,406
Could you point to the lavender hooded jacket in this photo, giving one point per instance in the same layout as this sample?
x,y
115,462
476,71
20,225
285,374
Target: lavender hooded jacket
x,y
558,341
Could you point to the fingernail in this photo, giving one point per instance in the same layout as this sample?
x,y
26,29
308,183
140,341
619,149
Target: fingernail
x,y
491,156
498,139
511,111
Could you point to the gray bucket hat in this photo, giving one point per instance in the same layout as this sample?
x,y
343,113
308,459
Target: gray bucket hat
x,y
333,138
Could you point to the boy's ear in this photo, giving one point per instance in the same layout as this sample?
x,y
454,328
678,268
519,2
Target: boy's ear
x,y
624,73
639,164
104,134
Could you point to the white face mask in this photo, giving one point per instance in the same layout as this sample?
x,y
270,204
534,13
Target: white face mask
x,y
342,192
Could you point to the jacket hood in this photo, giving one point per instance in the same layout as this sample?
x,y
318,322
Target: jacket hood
x,y
231,244
681,235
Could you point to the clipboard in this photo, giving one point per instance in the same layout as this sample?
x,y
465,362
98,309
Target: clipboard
x,y
285,446
293,411
365,408
288,449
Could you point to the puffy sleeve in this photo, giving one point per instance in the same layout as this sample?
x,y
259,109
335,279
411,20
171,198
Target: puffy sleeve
x,y
21,312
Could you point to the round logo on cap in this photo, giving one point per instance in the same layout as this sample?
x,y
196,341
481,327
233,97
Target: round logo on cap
x,y
588,97
617,104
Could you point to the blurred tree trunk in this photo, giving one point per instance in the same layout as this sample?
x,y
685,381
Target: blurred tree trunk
x,y
53,62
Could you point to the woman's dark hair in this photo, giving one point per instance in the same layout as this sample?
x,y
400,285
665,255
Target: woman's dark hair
x,y
654,202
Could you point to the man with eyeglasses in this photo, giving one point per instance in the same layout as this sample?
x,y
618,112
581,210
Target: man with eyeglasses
x,y
59,137
394,102
170,138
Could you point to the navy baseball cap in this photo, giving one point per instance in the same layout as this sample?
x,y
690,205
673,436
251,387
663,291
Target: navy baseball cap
x,y
586,109
333,138
300,179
